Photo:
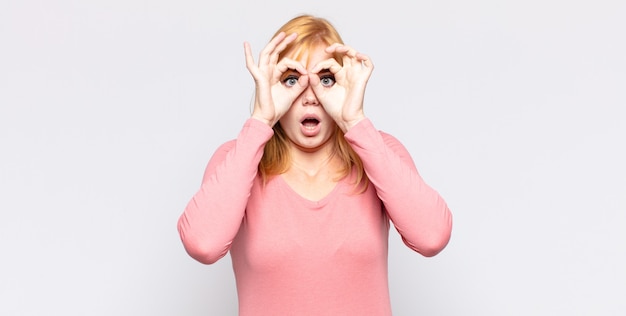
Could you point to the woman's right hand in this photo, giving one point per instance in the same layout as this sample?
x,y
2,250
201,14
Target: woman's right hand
x,y
275,81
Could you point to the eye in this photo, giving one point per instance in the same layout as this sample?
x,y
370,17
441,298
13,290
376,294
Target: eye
x,y
290,81
327,80
290,78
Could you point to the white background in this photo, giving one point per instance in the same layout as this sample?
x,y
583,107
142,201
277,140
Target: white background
x,y
512,110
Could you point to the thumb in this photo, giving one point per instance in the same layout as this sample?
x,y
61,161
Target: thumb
x,y
303,83
318,89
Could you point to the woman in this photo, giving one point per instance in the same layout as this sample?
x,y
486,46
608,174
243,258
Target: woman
x,y
304,196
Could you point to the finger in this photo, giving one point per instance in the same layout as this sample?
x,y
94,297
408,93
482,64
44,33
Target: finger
x,y
281,46
354,58
264,56
288,63
349,58
314,80
331,49
295,91
285,41
343,49
366,62
248,54
330,64
303,81
347,53
347,61
318,89
361,56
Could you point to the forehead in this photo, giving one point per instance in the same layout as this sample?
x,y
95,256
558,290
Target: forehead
x,y
310,56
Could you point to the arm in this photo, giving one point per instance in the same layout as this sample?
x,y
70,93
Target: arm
x,y
418,212
420,215
212,218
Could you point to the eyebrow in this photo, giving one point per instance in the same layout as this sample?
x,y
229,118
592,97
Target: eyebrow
x,y
324,72
290,70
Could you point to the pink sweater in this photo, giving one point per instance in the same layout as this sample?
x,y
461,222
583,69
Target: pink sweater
x,y
293,256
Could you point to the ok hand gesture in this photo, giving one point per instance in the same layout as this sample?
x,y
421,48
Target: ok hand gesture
x,y
343,101
273,97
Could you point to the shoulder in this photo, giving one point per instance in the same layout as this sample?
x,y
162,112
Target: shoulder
x,y
219,155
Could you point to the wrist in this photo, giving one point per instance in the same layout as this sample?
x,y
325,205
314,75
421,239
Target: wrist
x,y
346,125
263,120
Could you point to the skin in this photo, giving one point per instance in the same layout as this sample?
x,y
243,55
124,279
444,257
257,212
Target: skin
x,y
307,105
288,91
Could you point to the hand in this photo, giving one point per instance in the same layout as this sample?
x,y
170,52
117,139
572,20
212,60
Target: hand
x,y
273,97
343,101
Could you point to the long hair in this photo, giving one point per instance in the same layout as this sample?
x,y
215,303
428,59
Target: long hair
x,y
311,31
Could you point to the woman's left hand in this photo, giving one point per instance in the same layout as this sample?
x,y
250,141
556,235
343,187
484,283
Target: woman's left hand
x,y
343,100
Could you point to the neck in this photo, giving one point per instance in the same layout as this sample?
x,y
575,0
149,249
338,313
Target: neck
x,y
312,163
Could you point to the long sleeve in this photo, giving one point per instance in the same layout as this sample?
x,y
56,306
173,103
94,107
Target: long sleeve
x,y
212,217
418,212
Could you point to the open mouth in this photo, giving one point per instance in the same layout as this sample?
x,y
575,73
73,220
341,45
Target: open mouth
x,y
310,122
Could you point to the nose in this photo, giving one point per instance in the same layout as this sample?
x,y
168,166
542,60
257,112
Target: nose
x,y
309,97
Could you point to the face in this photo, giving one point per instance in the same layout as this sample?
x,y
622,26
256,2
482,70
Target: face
x,y
306,124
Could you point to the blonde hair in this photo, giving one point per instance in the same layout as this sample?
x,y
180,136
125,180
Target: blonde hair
x,y
312,31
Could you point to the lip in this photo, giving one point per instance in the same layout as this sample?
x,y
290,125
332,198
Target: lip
x,y
308,116
309,130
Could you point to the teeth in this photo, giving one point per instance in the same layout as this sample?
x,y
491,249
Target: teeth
x,y
310,123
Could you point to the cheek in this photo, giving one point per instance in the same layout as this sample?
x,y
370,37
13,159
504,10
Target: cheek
x,y
289,120
290,112
329,124
327,118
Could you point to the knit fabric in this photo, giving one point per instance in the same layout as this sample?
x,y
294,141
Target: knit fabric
x,y
294,256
